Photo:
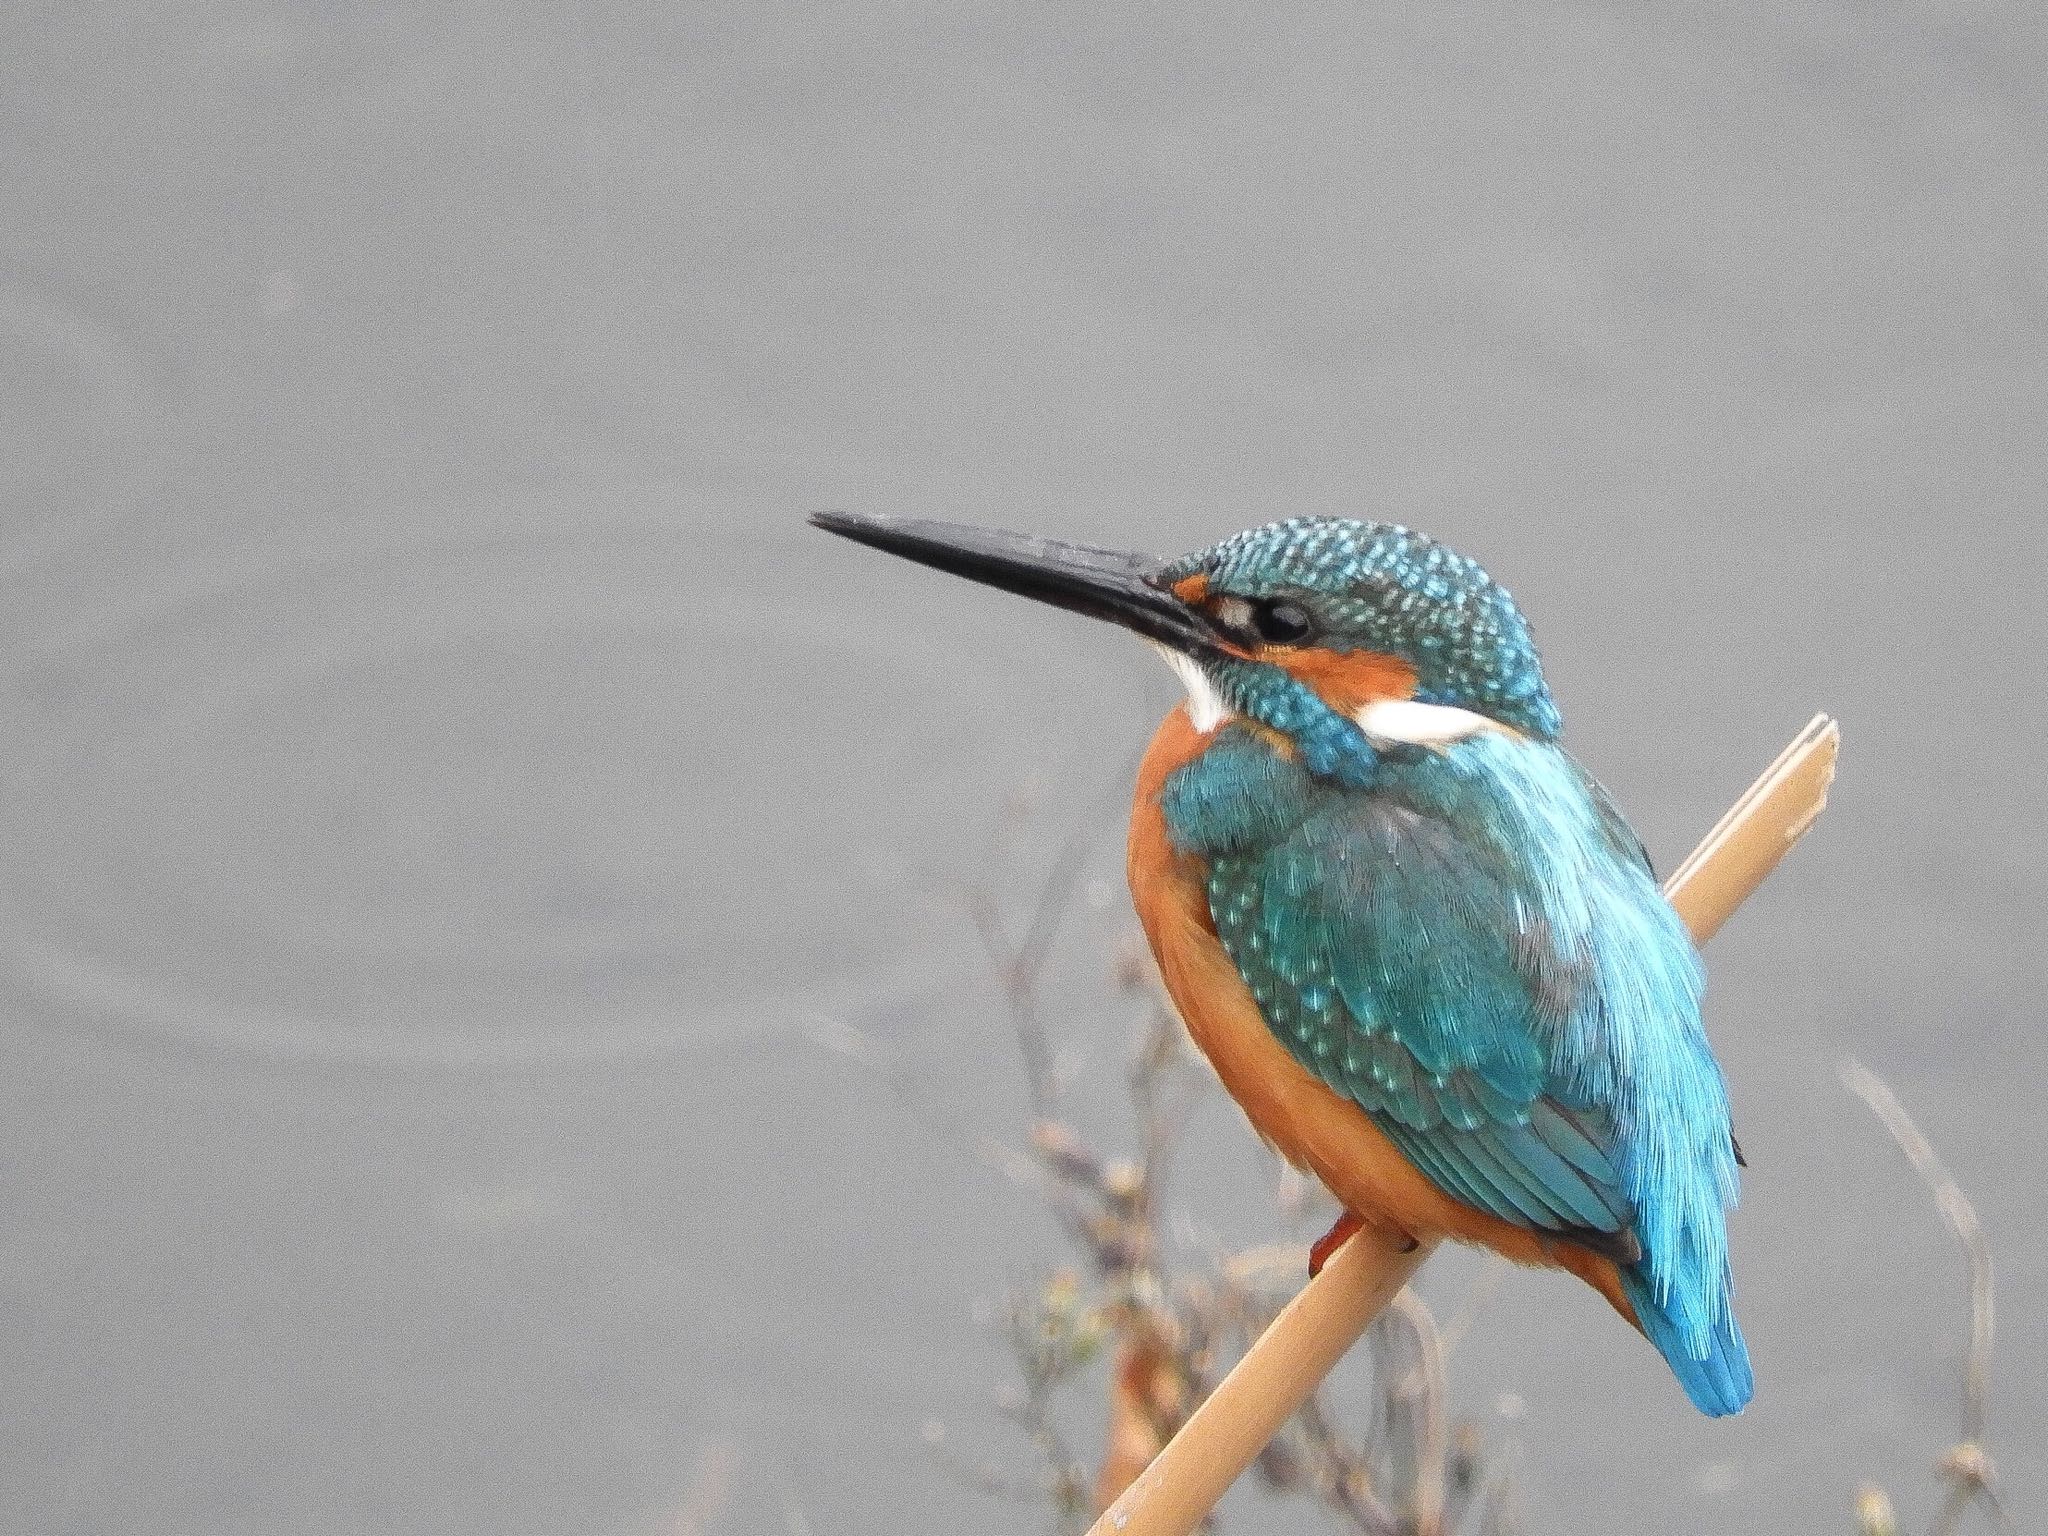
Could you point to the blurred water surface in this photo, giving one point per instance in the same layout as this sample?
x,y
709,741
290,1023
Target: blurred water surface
x,y
492,1040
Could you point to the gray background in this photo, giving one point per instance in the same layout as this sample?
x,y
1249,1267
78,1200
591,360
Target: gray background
x,y
455,817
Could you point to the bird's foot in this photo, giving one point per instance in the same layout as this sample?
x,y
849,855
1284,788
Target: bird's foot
x,y
1319,1251
1347,1225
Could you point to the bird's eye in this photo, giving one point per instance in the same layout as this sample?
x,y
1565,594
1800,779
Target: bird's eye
x,y
1282,622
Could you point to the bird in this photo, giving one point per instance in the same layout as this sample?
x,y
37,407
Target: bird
x,y
1417,942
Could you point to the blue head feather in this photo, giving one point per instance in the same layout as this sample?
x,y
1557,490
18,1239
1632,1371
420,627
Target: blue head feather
x,y
1380,587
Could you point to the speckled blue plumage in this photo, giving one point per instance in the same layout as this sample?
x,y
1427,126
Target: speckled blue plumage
x,y
1466,939
1381,587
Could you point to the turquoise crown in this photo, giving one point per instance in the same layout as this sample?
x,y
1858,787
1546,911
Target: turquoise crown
x,y
1381,587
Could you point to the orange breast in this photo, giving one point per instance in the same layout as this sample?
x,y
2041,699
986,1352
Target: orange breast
x,y
1310,1124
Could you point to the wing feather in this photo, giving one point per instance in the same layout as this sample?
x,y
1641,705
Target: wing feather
x,y
1402,963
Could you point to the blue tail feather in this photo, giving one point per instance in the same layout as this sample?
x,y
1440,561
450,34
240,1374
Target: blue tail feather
x,y
1719,1383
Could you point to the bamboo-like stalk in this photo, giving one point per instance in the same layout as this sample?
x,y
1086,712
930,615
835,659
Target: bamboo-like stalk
x,y
1221,1438
1759,829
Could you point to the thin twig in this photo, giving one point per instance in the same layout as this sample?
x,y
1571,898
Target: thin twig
x,y
1452,1332
1425,1391
1961,1216
1967,1468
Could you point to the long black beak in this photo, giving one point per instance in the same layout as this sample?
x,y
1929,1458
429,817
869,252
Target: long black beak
x,y
1101,583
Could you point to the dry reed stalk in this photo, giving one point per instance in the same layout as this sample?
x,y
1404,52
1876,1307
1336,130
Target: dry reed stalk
x,y
1967,1468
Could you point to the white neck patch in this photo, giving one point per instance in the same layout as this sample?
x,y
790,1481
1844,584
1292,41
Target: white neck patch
x,y
1406,722
1386,722
1206,709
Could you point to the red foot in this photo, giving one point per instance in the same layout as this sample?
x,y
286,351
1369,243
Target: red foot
x,y
1319,1253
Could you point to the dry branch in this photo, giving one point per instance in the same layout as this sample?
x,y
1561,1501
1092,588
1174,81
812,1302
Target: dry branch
x,y
1966,1467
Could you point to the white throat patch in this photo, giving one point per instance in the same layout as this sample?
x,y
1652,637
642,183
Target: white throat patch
x,y
1387,722
1206,709
1404,721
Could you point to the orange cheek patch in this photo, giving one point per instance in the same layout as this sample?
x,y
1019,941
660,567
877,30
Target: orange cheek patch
x,y
1192,590
1347,681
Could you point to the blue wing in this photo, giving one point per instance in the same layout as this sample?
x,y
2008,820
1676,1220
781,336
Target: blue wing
x,y
1383,949
1474,951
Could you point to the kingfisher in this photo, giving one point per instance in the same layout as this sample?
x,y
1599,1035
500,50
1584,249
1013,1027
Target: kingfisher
x,y
1418,943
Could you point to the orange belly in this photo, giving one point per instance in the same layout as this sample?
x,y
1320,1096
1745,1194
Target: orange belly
x,y
1310,1124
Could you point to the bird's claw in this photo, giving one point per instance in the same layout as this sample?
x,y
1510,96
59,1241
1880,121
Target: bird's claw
x,y
1319,1251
